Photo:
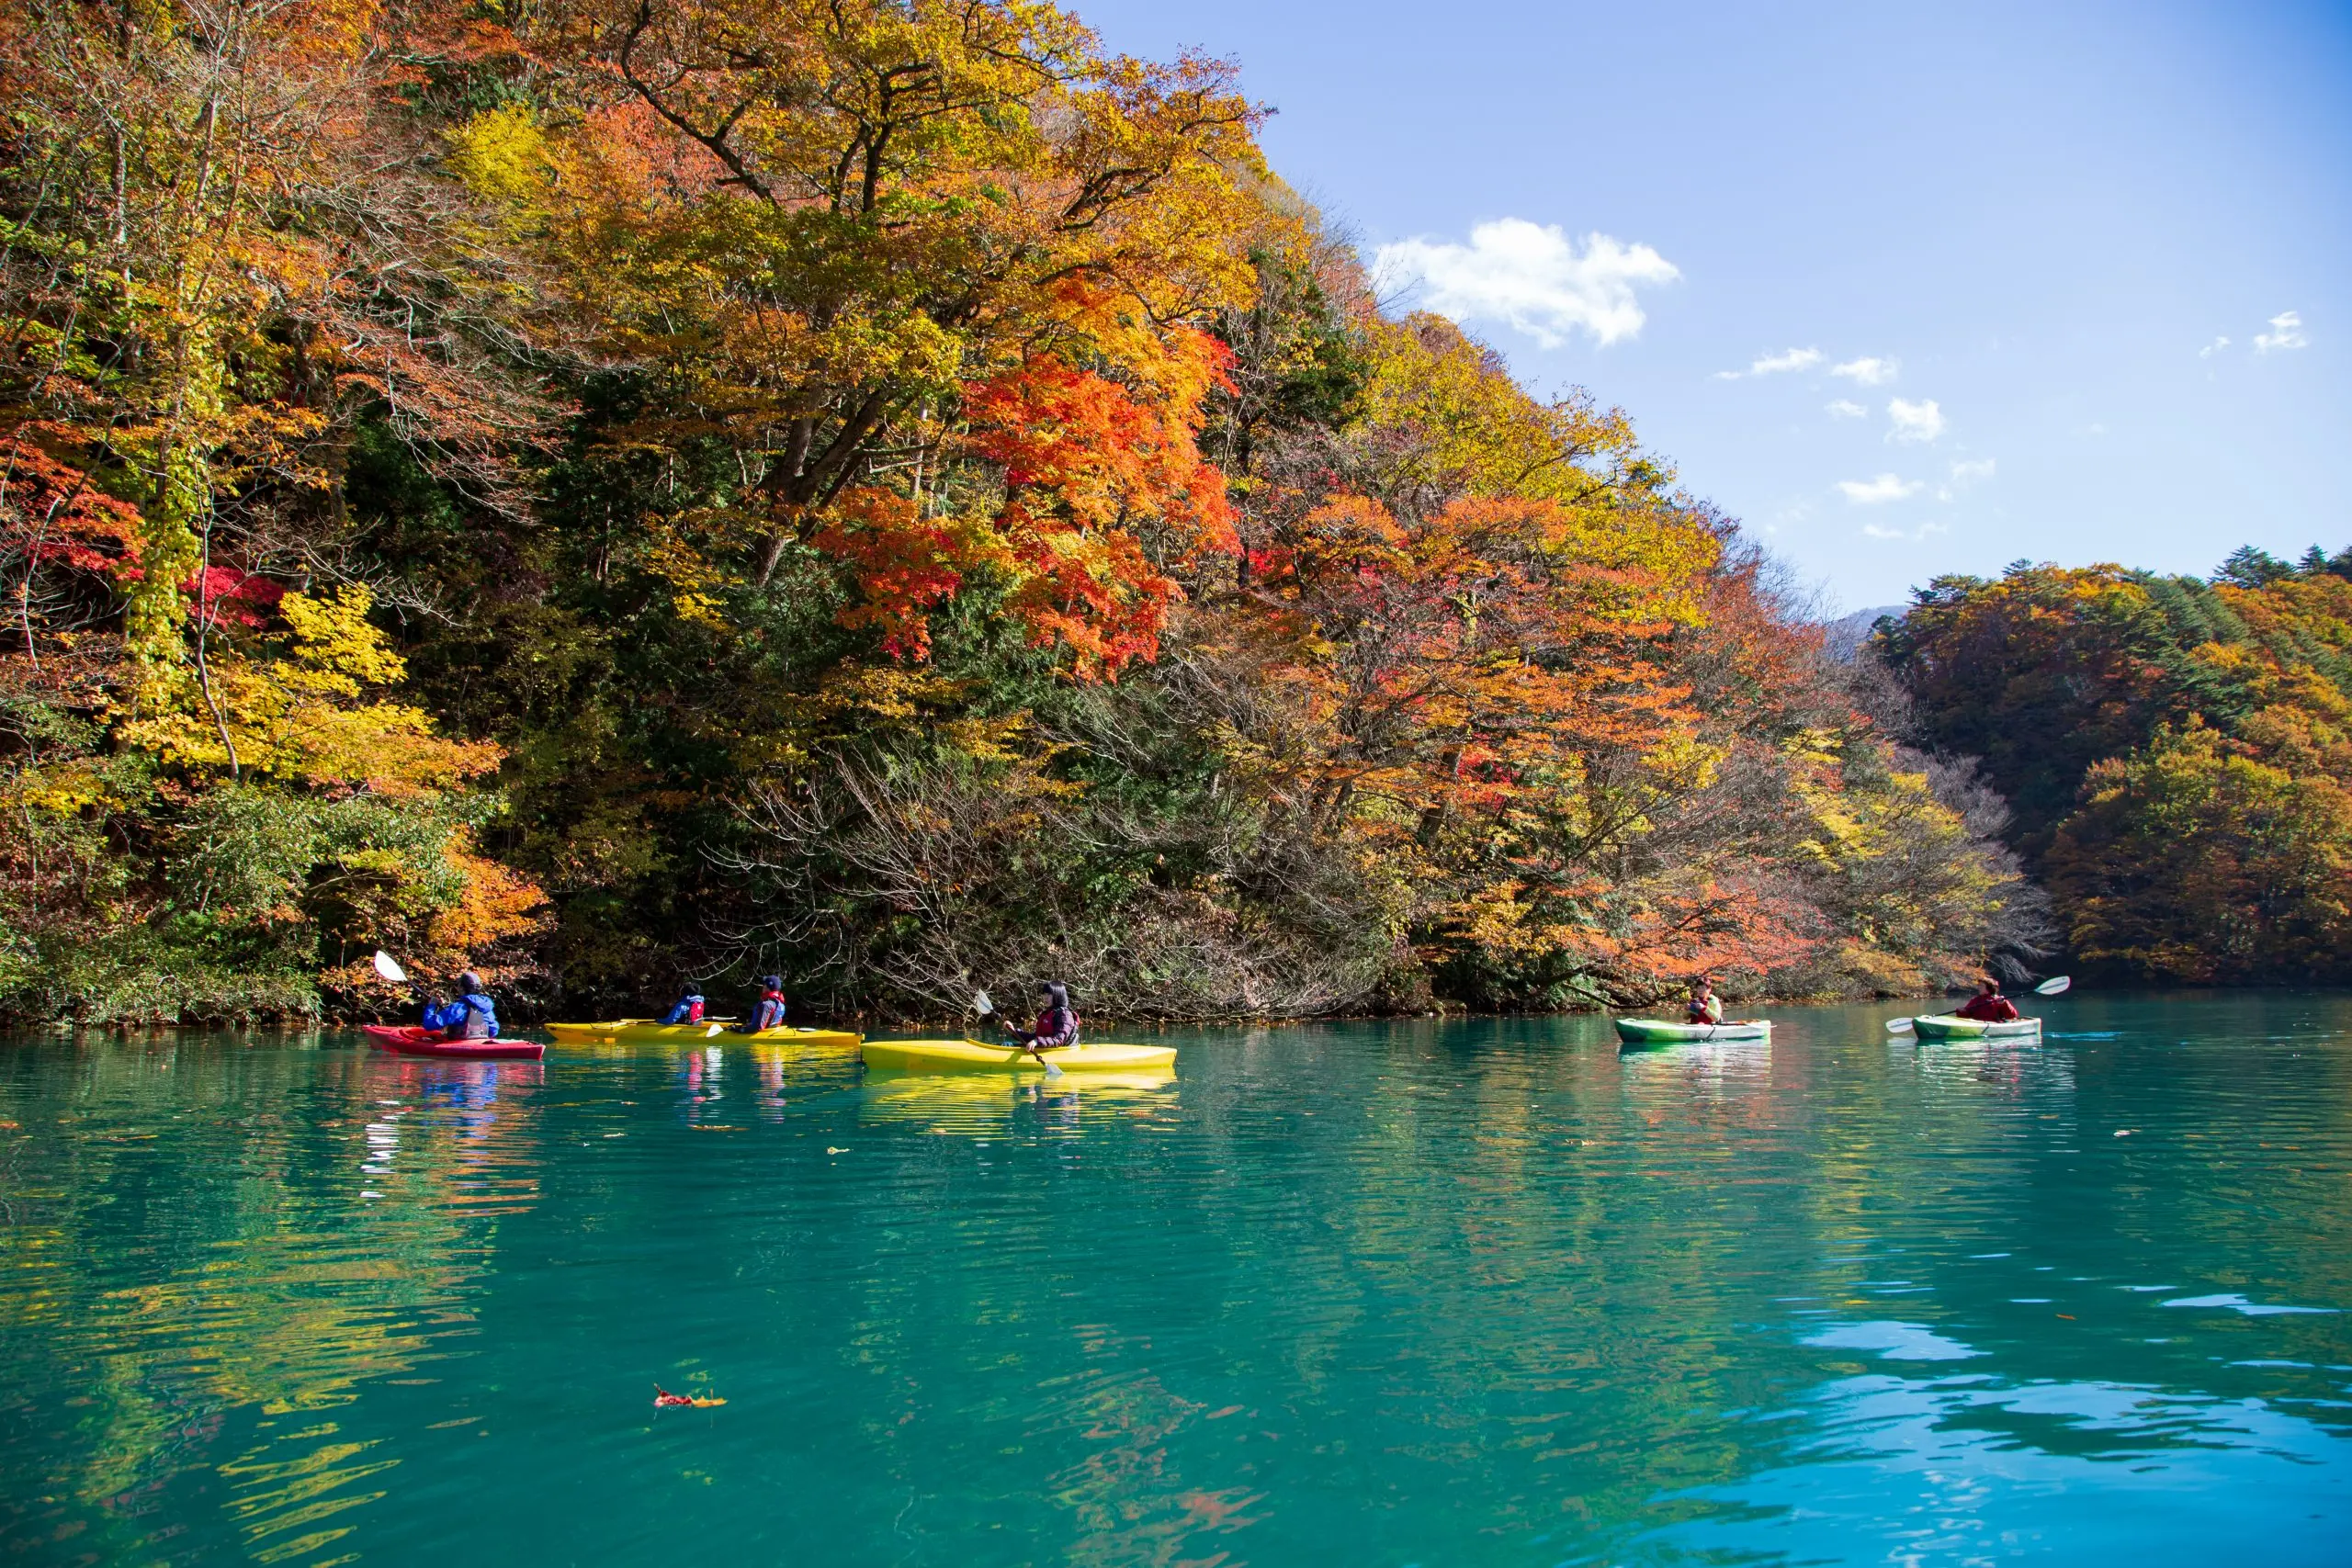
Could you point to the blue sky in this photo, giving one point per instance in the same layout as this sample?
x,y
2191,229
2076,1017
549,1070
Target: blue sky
x,y
1907,289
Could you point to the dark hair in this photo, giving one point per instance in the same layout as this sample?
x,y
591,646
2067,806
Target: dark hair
x,y
1057,993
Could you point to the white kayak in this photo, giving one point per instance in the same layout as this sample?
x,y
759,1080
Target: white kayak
x,y
1951,1026
1658,1031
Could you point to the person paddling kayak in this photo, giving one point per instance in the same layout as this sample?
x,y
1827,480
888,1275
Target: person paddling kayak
x,y
687,1009
1989,1006
769,1013
475,1015
1056,1026
1705,1007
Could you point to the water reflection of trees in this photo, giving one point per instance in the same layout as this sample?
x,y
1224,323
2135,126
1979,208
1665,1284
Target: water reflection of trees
x,y
192,1240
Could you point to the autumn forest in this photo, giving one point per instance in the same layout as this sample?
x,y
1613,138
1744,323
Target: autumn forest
x,y
611,492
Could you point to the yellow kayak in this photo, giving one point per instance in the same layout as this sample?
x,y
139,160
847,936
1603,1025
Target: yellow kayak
x,y
714,1031
971,1055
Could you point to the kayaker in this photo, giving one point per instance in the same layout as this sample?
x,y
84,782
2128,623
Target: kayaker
x,y
1704,1007
769,1013
1056,1026
687,1009
439,1015
1989,1006
476,1015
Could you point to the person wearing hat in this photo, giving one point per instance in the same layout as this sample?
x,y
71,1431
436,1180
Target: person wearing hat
x,y
769,1013
473,1016
1988,1005
1056,1026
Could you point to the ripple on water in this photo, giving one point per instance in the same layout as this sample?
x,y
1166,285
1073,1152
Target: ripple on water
x,y
1480,1293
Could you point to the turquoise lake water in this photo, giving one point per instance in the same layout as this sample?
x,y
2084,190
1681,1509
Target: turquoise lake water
x,y
1474,1293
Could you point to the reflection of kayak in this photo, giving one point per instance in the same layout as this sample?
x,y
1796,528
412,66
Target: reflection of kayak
x,y
1657,1031
1951,1026
647,1032
971,1055
411,1041
982,1104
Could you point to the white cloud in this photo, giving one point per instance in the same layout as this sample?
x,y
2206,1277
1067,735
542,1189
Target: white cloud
x,y
1872,531
1532,277
2286,331
1922,421
1877,492
1974,471
1868,372
1845,409
1773,363
2210,349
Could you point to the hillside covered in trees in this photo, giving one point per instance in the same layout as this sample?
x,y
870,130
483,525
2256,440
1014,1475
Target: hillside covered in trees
x,y
2177,753
612,492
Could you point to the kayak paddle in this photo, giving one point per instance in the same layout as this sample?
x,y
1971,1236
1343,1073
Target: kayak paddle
x,y
2055,986
390,970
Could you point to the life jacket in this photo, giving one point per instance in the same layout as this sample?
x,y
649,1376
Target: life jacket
x,y
688,1010
1056,1027
769,1014
480,1020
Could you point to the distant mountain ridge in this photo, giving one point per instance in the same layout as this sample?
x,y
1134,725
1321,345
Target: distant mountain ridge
x,y
1846,635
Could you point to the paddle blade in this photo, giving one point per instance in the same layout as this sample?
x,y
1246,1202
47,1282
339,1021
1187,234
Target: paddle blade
x,y
981,1004
712,1029
2052,986
1898,1026
1053,1070
390,970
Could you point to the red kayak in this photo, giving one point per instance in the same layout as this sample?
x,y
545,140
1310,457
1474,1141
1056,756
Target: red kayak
x,y
411,1041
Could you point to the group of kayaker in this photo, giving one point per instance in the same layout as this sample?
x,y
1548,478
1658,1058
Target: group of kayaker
x,y
766,1013
1987,1006
473,1016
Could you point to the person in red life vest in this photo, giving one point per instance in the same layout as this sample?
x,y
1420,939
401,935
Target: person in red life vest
x,y
1056,1026
1989,1006
769,1014
1704,1006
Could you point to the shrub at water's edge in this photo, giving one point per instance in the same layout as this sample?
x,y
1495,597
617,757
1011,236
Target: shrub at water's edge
x,y
887,493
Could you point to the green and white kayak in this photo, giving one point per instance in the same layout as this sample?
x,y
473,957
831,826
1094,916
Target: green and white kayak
x,y
1951,1026
1657,1031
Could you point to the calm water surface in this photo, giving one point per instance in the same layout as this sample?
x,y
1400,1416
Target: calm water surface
x,y
1478,1293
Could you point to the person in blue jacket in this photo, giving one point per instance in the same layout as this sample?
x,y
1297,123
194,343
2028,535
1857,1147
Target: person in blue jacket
x,y
439,1015
473,1016
687,1009
769,1013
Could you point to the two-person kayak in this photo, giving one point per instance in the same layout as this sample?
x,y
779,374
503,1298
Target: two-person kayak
x,y
409,1040
652,1031
971,1055
1659,1031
